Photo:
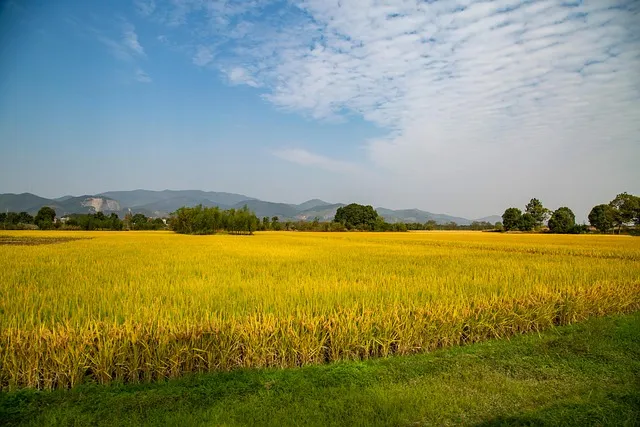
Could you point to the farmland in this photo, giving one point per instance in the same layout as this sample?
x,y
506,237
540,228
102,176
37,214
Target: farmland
x,y
144,306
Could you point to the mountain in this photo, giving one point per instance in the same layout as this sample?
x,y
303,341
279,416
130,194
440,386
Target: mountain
x,y
25,202
323,212
165,207
270,209
31,203
417,215
310,204
491,218
62,199
85,204
170,200
162,203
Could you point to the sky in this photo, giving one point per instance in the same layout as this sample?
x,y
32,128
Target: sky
x,y
464,107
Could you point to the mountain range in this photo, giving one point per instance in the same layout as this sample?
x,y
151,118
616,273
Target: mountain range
x,y
162,203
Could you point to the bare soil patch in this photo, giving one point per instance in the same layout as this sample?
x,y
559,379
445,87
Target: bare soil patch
x,y
33,241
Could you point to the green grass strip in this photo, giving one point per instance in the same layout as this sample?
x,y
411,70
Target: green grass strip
x,y
586,374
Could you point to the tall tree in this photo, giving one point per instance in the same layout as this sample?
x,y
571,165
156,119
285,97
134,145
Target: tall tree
x,y
511,219
538,212
602,217
626,209
562,220
357,216
25,218
527,222
45,217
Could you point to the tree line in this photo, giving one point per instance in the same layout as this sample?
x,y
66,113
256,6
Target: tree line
x,y
209,220
622,212
100,221
46,219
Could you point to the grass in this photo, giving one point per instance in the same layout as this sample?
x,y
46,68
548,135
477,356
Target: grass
x,y
585,374
140,307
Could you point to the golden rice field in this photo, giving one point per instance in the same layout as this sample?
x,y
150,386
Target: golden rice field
x,y
136,306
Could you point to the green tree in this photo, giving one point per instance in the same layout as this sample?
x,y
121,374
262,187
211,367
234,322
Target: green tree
x,y
602,217
275,224
357,216
527,222
45,218
430,225
626,210
511,219
538,212
139,221
204,220
114,222
562,221
25,218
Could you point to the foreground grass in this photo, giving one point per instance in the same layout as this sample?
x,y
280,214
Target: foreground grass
x,y
584,374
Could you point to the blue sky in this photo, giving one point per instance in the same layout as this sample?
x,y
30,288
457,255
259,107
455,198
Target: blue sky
x,y
464,107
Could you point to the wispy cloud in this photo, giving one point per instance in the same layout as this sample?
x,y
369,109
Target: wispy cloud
x,y
307,158
145,7
203,56
487,91
142,77
130,39
126,48
240,75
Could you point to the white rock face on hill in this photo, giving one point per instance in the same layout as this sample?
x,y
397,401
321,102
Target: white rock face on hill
x,y
101,204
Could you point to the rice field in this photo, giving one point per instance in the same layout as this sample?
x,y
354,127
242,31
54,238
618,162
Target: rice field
x,y
144,306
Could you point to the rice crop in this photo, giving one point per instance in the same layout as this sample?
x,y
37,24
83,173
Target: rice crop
x,y
146,306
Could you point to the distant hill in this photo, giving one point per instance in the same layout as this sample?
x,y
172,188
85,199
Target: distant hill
x,y
31,203
165,207
162,203
174,199
417,215
25,202
492,219
310,204
270,209
323,212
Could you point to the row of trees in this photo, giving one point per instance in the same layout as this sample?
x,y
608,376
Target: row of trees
x,y
44,219
359,217
452,225
99,221
562,220
209,220
622,211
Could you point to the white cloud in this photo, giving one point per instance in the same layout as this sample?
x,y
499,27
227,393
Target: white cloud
x,y
524,97
307,158
203,56
130,39
127,49
239,75
145,7
142,77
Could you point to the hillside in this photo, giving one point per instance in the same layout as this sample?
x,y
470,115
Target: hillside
x,y
171,200
417,215
162,203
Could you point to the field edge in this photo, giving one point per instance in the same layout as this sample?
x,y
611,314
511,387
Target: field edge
x,y
583,374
